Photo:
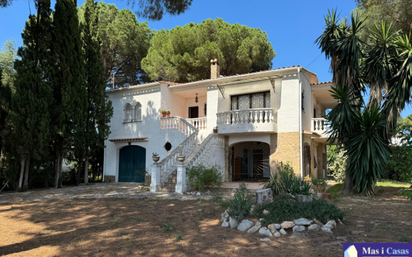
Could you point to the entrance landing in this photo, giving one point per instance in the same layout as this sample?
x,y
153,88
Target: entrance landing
x,y
250,185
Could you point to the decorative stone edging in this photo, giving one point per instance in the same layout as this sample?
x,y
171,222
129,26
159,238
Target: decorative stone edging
x,y
276,230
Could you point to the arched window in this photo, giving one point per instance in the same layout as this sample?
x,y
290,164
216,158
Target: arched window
x,y
137,112
128,113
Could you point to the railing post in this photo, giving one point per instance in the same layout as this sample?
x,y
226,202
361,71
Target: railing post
x,y
155,185
181,186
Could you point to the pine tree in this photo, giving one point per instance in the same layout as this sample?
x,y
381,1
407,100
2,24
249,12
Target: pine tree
x,y
5,102
29,118
99,110
69,90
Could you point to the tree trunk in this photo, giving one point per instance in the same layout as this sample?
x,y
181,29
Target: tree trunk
x,y
79,171
58,182
86,168
347,184
23,161
60,171
26,174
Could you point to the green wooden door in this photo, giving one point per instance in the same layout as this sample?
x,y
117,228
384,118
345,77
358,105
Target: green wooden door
x,y
132,160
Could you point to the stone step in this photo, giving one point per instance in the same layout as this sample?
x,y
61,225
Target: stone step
x,y
172,180
170,184
167,189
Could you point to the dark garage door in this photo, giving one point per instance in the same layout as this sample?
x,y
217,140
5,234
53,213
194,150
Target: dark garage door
x,y
132,160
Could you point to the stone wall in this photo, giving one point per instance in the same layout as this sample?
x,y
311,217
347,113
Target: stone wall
x,y
288,150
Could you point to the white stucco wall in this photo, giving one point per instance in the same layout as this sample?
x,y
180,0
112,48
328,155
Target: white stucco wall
x,y
149,127
288,113
247,137
173,102
307,113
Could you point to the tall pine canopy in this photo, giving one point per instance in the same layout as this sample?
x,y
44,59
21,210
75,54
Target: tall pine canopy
x,y
183,54
29,119
98,109
68,83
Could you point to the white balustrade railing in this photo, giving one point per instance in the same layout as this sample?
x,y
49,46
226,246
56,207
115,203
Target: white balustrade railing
x,y
179,124
168,164
249,116
209,144
320,125
199,123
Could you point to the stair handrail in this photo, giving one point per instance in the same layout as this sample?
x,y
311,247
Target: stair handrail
x,y
197,154
171,159
178,123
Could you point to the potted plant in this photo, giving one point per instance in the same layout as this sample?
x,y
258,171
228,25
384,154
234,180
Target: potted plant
x,y
167,113
155,157
320,186
164,113
215,129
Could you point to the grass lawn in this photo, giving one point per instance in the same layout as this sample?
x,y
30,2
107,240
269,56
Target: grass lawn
x,y
147,227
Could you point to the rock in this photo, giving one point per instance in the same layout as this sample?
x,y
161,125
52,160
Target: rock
x,y
193,193
287,224
225,224
255,228
282,231
277,226
265,212
263,196
272,228
224,216
264,231
233,222
298,228
318,222
265,239
340,222
198,193
277,234
314,227
245,225
252,209
208,193
331,223
327,229
303,221
261,219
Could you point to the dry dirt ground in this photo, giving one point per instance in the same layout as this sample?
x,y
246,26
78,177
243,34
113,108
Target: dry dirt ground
x,y
147,227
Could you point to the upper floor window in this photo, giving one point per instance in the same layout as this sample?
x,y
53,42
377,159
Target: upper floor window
x,y
251,101
132,112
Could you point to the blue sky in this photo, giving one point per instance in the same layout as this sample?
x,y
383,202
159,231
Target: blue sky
x,y
292,26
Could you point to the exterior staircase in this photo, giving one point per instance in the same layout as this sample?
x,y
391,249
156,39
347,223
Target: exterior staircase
x,y
170,184
194,151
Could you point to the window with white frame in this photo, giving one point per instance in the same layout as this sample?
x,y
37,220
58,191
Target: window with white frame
x,y
137,112
128,111
132,113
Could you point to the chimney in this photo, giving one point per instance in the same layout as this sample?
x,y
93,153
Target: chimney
x,y
214,69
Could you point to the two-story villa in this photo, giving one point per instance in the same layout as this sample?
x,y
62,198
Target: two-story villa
x,y
262,118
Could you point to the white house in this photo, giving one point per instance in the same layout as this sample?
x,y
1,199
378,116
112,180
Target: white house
x,y
263,118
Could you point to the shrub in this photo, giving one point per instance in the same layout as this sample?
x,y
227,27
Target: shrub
x,y
287,182
285,208
240,205
201,178
337,162
319,185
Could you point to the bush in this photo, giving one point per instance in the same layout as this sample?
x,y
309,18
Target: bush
x,y
400,164
319,185
201,178
285,208
287,182
240,205
337,162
